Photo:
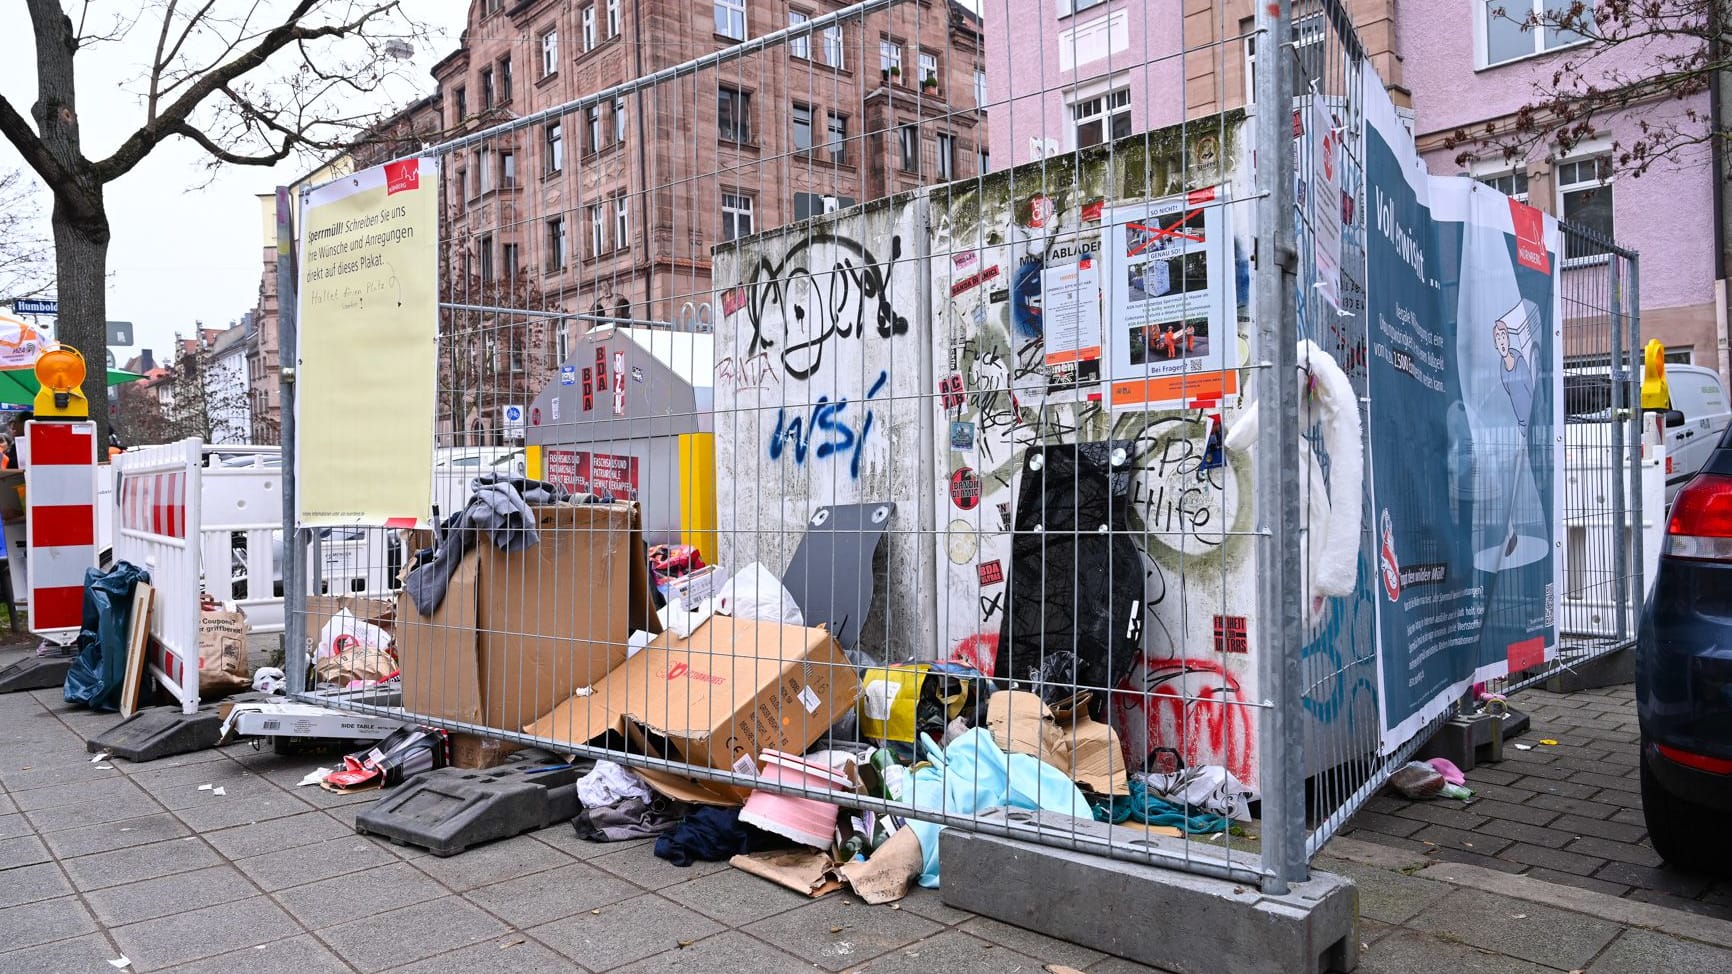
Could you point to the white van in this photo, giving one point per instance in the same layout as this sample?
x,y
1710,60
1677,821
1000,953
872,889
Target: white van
x,y
1700,414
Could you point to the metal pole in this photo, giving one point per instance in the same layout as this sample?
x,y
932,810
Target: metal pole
x,y
294,550
1637,502
929,435
1621,468
1278,564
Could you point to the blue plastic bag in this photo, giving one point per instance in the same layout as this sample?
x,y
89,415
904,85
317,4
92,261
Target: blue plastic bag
x,y
94,679
975,774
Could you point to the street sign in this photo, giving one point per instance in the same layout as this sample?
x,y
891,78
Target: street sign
x,y
568,375
120,333
514,422
36,306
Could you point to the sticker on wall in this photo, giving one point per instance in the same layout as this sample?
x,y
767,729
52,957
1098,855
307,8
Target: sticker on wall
x,y
991,572
636,374
950,391
964,259
1025,305
588,391
601,369
1004,515
535,416
1040,211
733,299
961,436
1230,635
961,542
965,488
972,281
619,383
568,375
554,403
1092,210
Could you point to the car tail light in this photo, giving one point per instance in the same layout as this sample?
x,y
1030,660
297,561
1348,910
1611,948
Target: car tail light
x,y
1701,523
1701,762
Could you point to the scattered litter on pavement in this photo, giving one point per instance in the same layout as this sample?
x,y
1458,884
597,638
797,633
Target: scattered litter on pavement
x,y
218,791
105,767
513,942
1060,969
120,963
315,776
101,757
204,787
1548,742
1524,747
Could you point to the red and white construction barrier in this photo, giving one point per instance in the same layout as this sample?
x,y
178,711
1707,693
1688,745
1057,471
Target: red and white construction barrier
x,y
60,522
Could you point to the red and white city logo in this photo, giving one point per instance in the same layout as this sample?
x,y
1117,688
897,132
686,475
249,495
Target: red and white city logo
x,y
1386,559
402,175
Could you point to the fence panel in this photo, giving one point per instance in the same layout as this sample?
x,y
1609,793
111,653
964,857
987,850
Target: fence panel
x,y
157,529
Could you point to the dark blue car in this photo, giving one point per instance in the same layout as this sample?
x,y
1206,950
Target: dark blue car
x,y
1684,676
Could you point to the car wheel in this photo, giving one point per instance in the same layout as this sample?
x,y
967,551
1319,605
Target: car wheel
x,y
1684,833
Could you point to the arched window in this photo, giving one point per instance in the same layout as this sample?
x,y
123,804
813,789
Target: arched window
x,y
622,309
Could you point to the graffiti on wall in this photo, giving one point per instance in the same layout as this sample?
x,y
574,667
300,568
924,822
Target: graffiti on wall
x,y
826,287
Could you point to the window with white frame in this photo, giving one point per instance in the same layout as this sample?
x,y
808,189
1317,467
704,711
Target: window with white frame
x,y
1513,184
1068,7
613,18
597,230
928,67
1508,30
1102,117
1306,63
556,249
487,94
945,146
1585,199
589,27
802,128
890,56
800,47
734,114
484,171
837,137
619,120
562,339
504,80
833,54
908,138
984,160
592,129
508,169
554,140
736,216
621,221
979,88
549,52
731,19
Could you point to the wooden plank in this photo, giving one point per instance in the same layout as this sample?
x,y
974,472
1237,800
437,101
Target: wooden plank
x,y
137,647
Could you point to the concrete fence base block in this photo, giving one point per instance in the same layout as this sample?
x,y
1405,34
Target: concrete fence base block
x,y
1468,741
1176,921
1610,670
35,673
159,732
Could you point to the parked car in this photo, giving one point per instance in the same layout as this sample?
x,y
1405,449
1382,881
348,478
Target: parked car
x,y
1700,414
1684,675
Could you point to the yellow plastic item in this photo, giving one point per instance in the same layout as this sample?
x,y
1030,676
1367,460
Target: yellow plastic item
x,y
698,492
889,706
1655,393
60,372
533,461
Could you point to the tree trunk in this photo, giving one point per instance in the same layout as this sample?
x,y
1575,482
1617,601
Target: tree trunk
x,y
81,260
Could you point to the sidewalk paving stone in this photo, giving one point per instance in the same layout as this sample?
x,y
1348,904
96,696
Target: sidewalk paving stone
x,y
44,921
733,897
952,952
836,934
27,884
623,932
311,863
728,951
191,935
644,868
291,955
91,839
510,954
342,899
1409,952
135,863
118,906
1642,952
495,862
544,897
392,938
1510,927
88,954
1386,896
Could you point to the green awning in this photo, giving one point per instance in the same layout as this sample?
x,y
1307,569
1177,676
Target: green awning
x,y
18,387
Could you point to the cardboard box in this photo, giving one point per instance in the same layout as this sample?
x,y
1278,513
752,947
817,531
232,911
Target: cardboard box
x,y
475,753
321,609
519,631
1088,751
717,699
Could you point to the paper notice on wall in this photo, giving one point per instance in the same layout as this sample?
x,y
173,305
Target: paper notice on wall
x,y
1324,219
368,328
1071,311
1169,274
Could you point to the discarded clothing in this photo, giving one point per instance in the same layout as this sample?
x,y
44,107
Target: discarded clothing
x,y
1143,805
712,834
498,506
974,773
609,784
96,677
632,818
1209,787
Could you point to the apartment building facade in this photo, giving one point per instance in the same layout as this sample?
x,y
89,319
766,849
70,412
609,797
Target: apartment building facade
x,y
1066,74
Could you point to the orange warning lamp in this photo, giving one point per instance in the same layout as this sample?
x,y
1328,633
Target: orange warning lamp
x,y
60,373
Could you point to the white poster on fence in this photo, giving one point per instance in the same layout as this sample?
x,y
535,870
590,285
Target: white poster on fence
x,y
1169,277
368,343
1325,215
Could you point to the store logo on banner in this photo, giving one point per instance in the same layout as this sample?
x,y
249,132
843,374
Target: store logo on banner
x,y
402,175
1530,234
1386,560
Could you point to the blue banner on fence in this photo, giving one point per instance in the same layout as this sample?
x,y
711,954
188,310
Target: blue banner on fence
x,y
1466,372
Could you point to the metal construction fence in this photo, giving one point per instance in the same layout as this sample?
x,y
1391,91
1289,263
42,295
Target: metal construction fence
x,y
925,371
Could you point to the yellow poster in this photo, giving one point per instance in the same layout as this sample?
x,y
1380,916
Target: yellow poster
x,y
368,351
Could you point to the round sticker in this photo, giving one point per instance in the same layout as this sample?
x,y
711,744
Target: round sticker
x,y
962,542
514,413
534,416
965,488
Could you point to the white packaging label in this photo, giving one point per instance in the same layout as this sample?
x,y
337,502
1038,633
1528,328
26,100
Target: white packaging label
x,y
744,764
810,700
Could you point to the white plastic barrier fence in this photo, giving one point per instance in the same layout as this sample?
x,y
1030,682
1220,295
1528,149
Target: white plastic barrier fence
x,y
240,532
1593,596
60,523
158,490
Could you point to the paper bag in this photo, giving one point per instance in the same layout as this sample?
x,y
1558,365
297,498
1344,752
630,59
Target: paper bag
x,y
805,871
222,651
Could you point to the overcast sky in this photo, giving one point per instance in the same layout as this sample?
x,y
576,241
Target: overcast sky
x,y
183,251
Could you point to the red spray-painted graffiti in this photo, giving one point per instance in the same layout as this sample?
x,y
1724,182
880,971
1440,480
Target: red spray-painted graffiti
x,y
1193,706
979,651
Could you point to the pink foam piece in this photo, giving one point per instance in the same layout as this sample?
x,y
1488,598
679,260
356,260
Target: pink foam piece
x,y
1447,768
807,821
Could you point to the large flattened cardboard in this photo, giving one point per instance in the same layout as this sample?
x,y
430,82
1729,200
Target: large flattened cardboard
x,y
717,699
519,631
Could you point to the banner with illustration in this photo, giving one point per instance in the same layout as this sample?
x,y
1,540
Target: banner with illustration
x,y
1465,382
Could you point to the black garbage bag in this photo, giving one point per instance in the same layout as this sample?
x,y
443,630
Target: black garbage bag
x,y
94,678
1075,592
